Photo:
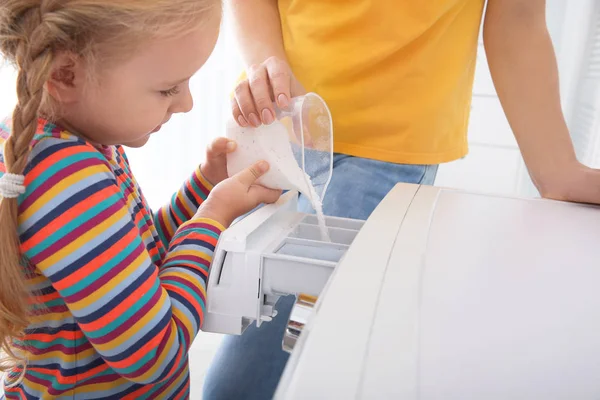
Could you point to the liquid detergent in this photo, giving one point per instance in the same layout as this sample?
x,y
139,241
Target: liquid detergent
x,y
272,143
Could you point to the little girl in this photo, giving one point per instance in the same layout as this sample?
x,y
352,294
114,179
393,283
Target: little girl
x,y
99,297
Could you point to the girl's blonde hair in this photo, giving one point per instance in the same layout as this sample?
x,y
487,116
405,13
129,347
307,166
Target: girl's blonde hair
x,y
32,33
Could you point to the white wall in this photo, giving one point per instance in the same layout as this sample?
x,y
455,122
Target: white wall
x,y
7,88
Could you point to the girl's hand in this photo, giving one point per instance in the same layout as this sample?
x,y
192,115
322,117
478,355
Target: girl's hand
x,y
237,195
215,167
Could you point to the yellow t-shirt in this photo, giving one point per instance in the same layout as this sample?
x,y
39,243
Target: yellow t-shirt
x,y
396,74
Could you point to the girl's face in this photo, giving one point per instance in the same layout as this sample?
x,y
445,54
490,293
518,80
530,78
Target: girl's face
x,y
132,99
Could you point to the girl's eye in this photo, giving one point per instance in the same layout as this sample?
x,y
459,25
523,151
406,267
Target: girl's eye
x,y
171,92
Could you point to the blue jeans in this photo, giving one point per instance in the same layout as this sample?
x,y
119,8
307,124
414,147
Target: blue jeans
x,y
248,367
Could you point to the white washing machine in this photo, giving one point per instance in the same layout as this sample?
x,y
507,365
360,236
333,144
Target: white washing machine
x,y
440,294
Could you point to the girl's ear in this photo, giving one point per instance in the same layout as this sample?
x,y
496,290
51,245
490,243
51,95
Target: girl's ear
x,y
67,78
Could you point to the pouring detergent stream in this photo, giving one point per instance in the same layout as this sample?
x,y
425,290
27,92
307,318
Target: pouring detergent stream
x,y
298,143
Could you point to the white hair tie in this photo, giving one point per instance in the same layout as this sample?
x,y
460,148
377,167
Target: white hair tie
x,y
11,186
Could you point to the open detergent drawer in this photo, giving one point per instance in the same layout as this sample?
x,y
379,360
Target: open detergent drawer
x,y
273,252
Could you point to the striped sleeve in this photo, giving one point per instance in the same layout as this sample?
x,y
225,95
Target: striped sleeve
x,y
75,227
182,207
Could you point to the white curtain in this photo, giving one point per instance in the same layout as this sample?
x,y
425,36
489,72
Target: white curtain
x,y
172,154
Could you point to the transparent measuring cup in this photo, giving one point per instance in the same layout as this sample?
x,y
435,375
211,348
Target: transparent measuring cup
x,y
298,146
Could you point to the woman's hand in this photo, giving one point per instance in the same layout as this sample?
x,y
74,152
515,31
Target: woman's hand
x,y
214,168
236,196
270,82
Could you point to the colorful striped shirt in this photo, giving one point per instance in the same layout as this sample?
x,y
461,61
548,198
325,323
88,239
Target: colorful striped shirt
x,y
119,291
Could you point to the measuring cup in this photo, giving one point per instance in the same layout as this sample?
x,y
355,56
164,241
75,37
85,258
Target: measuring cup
x,y
298,146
